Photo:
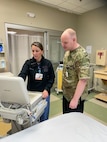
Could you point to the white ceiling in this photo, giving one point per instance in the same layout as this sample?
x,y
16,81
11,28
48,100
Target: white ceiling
x,y
73,6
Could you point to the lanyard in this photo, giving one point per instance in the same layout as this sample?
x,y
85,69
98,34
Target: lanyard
x,y
39,68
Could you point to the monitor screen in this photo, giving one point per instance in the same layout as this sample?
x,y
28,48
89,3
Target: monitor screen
x,y
13,90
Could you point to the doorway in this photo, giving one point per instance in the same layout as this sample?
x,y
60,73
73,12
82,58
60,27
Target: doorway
x,y
19,40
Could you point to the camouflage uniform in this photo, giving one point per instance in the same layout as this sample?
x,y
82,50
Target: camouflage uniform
x,y
75,67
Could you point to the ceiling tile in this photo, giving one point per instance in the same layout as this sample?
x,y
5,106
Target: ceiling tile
x,y
54,2
73,6
68,5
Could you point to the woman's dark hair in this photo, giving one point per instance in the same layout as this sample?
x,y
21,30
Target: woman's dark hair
x,y
38,44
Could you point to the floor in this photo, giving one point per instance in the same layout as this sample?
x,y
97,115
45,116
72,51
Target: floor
x,y
93,108
55,105
4,128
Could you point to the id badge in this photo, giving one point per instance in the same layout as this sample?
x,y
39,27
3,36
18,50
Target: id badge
x,y
66,74
38,76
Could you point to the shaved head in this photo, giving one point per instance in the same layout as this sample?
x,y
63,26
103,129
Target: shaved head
x,y
69,32
69,39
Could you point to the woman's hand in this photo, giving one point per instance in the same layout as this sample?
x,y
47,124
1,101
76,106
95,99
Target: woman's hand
x,y
45,94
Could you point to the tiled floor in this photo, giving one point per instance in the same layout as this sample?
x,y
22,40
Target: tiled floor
x,y
55,105
4,127
96,109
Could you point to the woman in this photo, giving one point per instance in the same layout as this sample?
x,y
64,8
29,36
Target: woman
x,y
40,75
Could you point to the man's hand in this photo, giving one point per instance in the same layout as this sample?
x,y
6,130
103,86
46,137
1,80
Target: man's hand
x,y
73,104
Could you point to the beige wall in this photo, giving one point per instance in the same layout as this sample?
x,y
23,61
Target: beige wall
x,y
14,11
91,27
92,30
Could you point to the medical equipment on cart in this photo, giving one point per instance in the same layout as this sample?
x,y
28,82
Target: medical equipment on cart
x,y
17,105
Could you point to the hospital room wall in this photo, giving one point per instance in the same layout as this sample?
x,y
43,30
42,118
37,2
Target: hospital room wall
x,y
90,27
15,12
92,31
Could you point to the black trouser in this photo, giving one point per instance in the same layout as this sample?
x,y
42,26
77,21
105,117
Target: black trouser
x,y
66,109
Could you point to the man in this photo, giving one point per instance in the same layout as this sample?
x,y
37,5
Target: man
x,y
75,73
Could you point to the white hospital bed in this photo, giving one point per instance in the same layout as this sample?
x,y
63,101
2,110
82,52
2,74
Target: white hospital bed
x,y
71,127
19,106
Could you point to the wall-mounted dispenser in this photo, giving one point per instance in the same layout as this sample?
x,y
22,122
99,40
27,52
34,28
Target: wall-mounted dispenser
x,y
101,57
2,64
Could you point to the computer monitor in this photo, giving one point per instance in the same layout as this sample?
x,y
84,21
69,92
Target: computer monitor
x,y
13,90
